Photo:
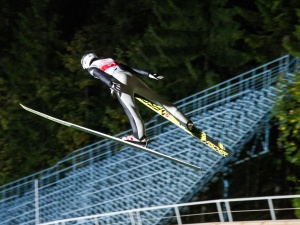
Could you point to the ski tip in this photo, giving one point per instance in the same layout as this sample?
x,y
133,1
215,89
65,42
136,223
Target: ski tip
x,y
24,107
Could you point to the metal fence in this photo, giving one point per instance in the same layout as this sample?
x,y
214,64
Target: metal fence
x,y
260,208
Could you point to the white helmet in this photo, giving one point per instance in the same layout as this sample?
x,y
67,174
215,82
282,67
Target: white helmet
x,y
86,60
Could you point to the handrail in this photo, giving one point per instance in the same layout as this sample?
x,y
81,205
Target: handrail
x,y
174,206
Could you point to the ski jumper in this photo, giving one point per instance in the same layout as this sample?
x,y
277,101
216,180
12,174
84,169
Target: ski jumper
x,y
108,71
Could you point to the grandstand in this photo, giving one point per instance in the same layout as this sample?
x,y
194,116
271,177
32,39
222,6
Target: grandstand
x,y
108,177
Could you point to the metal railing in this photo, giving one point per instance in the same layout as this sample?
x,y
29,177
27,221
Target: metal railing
x,y
268,207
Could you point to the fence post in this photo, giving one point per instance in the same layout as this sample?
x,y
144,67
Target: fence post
x,y
228,210
96,221
179,222
287,63
36,196
270,202
139,218
131,218
220,212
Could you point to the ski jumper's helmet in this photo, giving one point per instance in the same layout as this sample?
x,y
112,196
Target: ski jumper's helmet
x,y
87,59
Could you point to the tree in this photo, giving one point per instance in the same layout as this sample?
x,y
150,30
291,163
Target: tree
x,y
30,78
291,41
287,111
267,26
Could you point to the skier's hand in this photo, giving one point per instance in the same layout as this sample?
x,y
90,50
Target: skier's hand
x,y
115,88
155,76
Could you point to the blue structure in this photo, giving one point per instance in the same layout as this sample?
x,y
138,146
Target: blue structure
x,y
108,177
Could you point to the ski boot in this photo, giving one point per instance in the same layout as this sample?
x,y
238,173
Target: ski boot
x,y
143,141
192,128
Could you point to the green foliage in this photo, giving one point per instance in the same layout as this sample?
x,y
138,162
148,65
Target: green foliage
x,y
287,111
269,24
291,42
26,144
296,204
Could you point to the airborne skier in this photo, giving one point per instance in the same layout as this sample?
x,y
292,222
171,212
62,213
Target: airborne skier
x,y
122,81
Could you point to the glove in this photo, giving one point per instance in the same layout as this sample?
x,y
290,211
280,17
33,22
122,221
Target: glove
x,y
115,87
155,76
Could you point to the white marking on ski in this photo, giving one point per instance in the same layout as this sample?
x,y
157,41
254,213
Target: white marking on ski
x,y
99,134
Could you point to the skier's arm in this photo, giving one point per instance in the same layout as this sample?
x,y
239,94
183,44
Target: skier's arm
x,y
141,72
105,78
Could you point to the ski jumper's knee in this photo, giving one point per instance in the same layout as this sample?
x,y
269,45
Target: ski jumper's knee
x,y
177,114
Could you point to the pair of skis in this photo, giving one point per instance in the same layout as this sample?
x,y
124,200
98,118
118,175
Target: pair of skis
x,y
203,137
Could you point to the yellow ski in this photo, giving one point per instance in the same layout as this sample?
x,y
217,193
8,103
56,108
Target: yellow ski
x,y
200,135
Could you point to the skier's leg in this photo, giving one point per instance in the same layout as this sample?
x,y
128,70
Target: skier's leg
x,y
126,98
146,92
133,114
